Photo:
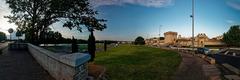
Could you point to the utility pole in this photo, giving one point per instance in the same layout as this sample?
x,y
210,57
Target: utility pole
x,y
193,16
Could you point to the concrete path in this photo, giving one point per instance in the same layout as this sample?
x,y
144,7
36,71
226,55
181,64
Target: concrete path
x,y
3,45
20,65
190,68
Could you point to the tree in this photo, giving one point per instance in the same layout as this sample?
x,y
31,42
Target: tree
x,y
10,31
139,41
91,45
2,36
33,16
57,37
52,37
232,37
18,34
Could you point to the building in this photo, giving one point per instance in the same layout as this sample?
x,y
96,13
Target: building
x,y
154,41
170,38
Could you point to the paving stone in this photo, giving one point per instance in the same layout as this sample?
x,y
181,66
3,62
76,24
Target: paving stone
x,y
20,65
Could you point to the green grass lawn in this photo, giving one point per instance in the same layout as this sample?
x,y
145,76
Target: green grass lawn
x,y
128,62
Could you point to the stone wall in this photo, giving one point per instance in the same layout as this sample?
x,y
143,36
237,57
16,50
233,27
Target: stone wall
x,y
61,66
170,37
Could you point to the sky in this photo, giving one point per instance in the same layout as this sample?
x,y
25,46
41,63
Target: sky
x,y
128,19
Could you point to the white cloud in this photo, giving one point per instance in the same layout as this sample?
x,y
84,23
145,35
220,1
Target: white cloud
x,y
147,3
234,4
230,21
4,11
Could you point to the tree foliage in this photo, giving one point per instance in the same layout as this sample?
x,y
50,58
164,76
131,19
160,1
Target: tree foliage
x,y
52,37
2,36
33,17
18,33
232,37
139,41
91,46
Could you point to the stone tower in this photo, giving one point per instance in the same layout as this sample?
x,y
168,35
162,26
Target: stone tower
x,y
170,37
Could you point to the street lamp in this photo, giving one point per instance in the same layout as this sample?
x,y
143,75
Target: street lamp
x,y
193,16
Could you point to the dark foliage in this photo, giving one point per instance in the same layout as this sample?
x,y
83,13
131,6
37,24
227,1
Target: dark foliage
x,y
161,38
2,36
232,37
33,17
51,37
18,34
139,41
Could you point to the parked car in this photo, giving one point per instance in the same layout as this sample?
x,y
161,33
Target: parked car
x,y
202,51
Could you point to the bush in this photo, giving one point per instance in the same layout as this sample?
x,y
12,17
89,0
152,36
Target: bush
x,y
139,41
2,36
232,36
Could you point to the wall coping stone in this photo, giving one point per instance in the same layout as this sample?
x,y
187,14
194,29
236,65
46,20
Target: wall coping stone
x,y
75,59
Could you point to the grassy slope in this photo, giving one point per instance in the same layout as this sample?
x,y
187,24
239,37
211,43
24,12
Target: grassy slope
x,y
138,63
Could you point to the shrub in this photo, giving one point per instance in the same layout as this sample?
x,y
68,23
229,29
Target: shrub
x,y
139,41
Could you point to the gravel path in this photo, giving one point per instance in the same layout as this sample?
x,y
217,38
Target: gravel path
x,y
20,65
190,68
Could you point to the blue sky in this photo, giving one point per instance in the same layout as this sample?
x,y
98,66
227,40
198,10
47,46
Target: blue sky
x,y
128,19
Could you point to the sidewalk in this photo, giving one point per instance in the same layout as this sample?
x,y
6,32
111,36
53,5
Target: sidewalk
x,y
190,68
20,65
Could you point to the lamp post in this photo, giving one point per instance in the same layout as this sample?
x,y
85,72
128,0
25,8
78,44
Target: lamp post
x,y
193,16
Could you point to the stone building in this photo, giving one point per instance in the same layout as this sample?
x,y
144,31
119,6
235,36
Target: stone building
x,y
154,41
170,38
201,40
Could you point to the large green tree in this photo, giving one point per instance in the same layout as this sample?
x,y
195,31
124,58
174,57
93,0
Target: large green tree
x,y
33,17
2,36
18,34
232,37
139,41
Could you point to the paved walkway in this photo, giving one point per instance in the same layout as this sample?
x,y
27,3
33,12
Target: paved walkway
x,y
3,45
20,65
190,68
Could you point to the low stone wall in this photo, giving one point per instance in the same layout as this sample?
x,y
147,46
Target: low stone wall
x,y
61,67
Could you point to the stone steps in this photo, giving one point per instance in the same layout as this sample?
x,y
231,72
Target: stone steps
x,y
232,68
212,72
